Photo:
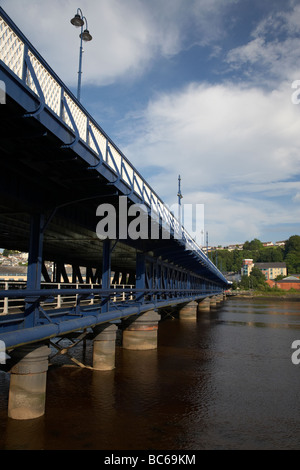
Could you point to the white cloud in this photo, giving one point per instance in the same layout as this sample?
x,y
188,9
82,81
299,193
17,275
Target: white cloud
x,y
230,219
227,133
272,54
120,31
127,36
226,142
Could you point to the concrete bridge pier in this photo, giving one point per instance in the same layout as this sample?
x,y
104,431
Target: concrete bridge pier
x,y
141,333
104,346
204,305
188,311
27,392
216,300
213,301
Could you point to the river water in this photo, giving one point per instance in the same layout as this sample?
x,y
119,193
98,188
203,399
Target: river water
x,y
225,381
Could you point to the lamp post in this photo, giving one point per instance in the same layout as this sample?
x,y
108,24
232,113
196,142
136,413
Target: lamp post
x,y
180,196
78,21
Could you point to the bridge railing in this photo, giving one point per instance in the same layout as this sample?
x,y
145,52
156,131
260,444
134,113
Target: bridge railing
x,y
28,66
55,296
119,293
20,328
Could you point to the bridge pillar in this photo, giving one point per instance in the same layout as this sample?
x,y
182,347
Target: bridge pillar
x,y
104,347
188,311
204,305
213,301
106,272
141,334
35,255
27,391
34,269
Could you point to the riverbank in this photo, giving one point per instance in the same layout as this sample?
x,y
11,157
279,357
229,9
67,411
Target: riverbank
x,y
266,295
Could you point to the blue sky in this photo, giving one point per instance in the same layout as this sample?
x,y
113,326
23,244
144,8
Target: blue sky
x,y
200,88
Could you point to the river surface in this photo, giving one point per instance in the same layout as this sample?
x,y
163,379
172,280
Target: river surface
x,y
225,381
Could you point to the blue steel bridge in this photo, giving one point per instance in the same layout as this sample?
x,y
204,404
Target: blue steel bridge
x,y
57,167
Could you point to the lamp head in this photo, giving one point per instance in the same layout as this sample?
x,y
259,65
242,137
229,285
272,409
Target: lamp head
x,y
85,36
77,21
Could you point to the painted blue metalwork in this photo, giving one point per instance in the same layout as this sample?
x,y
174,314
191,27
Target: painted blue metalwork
x,y
141,275
28,63
175,273
106,272
66,107
34,271
59,321
18,337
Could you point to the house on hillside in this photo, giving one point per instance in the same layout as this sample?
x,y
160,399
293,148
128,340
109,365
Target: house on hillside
x,y
247,267
13,273
270,270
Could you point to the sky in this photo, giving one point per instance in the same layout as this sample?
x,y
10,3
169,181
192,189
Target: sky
x,y
205,89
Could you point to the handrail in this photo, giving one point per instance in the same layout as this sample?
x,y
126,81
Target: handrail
x,y
14,292
58,299
23,60
46,293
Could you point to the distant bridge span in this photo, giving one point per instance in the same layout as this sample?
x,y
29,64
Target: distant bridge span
x,y
57,167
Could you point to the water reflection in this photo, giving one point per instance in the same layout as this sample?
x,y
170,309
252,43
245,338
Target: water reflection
x,y
225,381
25,435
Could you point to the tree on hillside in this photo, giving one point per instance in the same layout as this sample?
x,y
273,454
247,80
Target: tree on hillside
x,y
9,252
233,260
253,245
256,279
292,254
270,255
293,262
292,244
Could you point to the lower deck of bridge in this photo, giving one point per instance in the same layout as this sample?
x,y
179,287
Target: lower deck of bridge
x,y
28,382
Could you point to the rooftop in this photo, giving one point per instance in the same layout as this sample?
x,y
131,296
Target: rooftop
x,y
270,265
290,279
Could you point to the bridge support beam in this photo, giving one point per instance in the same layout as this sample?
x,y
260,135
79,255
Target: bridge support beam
x,y
106,272
27,392
34,270
104,347
188,311
141,334
35,255
204,305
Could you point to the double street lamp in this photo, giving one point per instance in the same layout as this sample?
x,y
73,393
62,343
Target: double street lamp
x,y
79,20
